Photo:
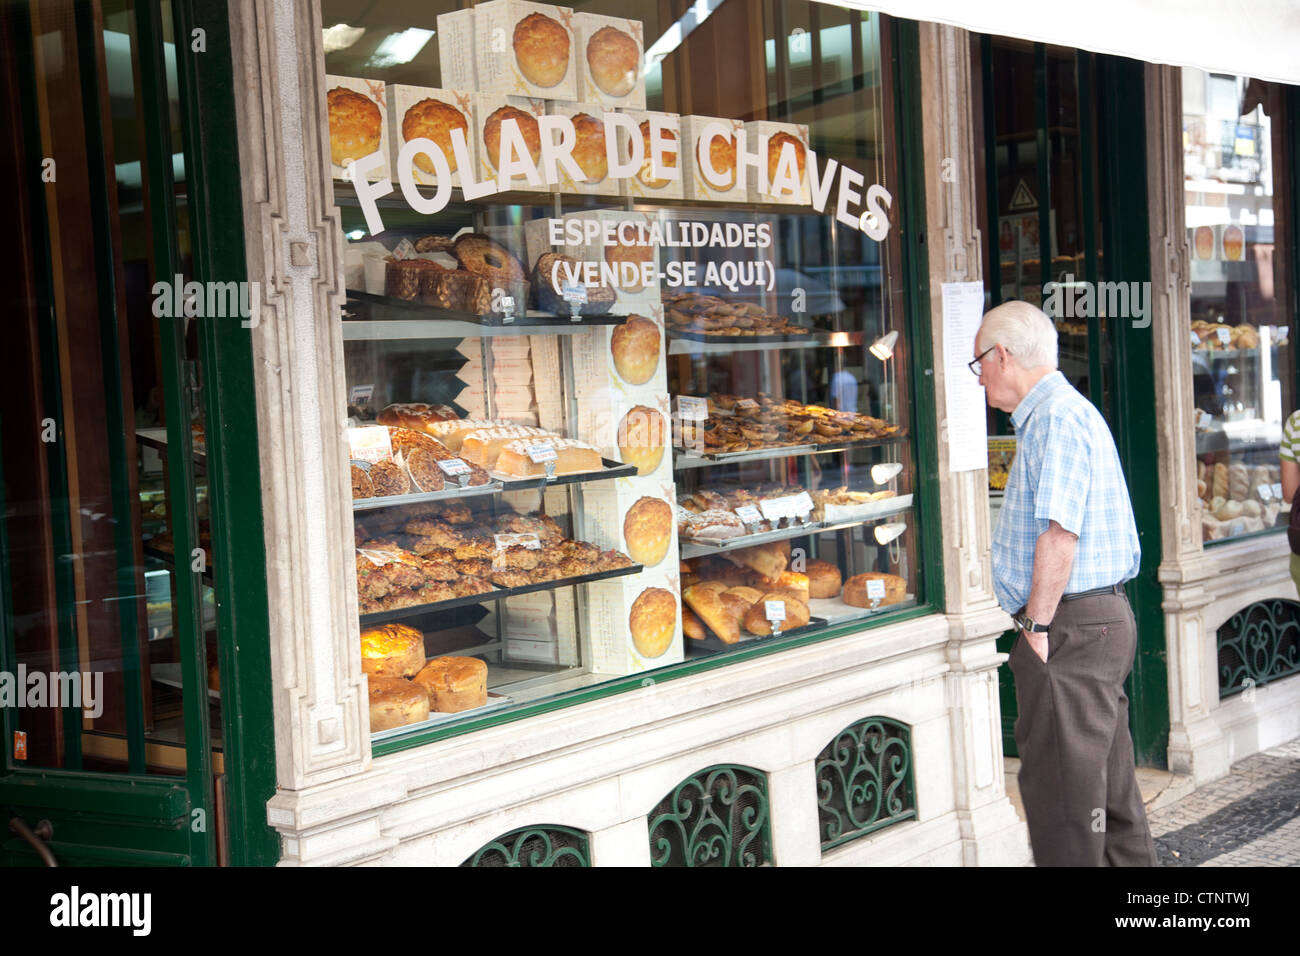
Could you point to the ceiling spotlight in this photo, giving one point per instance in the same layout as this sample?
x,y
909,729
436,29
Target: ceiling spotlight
x,y
398,48
886,533
883,347
883,472
341,36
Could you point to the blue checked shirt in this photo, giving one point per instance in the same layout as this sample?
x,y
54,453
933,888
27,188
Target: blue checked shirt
x,y
1066,470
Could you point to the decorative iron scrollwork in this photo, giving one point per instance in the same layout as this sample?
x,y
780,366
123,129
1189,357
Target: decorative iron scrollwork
x,y
718,817
864,780
1260,643
535,846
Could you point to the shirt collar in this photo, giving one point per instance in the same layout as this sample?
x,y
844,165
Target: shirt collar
x,y
1045,386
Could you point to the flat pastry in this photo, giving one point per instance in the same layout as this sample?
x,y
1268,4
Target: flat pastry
x,y
433,120
541,46
424,471
635,347
614,61
652,621
356,125
388,479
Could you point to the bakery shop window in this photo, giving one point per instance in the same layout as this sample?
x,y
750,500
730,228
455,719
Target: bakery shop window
x,y
1240,239
624,340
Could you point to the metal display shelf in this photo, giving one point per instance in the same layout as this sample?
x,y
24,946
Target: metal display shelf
x,y
381,318
423,497
612,469
495,701
498,483
696,548
683,459
497,594
684,345
712,644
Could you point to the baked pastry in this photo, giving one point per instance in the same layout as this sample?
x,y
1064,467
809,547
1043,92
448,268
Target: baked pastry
x,y
482,447
589,147
541,47
571,456
796,614
433,120
422,466
550,274
793,583
635,346
746,594
692,626
648,530
485,257
356,125
361,486
388,479
527,124
614,61
708,604
722,152
775,145
669,161
629,279
415,415
395,702
457,289
392,650
451,434
641,437
653,621
404,277
454,683
767,559
855,589
214,677
824,579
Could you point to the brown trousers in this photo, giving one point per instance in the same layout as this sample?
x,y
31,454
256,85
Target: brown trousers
x,y
1077,775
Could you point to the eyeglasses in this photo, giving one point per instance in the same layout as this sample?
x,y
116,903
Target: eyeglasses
x,y
974,364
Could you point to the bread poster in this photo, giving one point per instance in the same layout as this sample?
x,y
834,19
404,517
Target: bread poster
x,y
518,48
357,111
418,112
611,61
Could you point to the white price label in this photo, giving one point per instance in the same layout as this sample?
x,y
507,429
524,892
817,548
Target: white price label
x,y
746,403
1225,336
1265,492
452,467
575,293
749,514
370,443
404,250
541,451
1196,339
875,590
523,540
774,509
802,503
692,409
360,394
1277,490
1204,421
775,610
507,303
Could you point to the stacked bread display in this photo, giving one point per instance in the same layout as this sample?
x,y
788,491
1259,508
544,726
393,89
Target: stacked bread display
x,y
404,689
1237,498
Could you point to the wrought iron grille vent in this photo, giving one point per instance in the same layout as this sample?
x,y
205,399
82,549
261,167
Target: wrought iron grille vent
x,y
864,780
717,817
534,846
1258,644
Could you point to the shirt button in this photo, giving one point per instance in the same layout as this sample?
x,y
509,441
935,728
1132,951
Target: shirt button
x,y
1105,629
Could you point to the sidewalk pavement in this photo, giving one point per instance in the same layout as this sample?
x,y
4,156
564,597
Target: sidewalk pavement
x,y
1251,817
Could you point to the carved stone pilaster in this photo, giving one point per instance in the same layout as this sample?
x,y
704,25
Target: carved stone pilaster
x,y
294,252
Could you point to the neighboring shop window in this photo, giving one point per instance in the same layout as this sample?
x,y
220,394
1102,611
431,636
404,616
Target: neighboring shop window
x,y
564,477
1240,242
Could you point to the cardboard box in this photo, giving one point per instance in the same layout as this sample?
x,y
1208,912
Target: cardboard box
x,y
636,286
357,130
786,147
512,47
403,99
494,116
611,71
644,184
590,153
694,185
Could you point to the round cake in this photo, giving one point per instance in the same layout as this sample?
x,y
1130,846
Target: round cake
x,y
527,126
774,147
356,124
434,120
652,621
722,151
823,579
614,61
486,257
395,702
641,437
542,49
648,530
635,348
392,650
646,172
589,147
454,683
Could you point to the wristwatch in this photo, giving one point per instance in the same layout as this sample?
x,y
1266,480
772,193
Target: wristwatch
x,y
1027,623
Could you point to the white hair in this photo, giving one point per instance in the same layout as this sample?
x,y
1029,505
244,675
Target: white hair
x,y
1024,330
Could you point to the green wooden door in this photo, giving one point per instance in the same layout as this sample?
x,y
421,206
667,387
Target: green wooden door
x,y
134,649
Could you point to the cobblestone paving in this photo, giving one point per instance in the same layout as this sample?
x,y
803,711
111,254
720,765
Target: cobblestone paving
x,y
1249,818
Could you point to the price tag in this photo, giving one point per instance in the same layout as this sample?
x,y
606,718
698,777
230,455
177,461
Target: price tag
x,y
370,443
774,509
746,403
749,514
574,293
1277,490
1225,335
775,610
1196,339
452,467
1204,421
524,540
541,451
1265,492
377,558
507,303
404,250
802,503
692,409
875,590
360,394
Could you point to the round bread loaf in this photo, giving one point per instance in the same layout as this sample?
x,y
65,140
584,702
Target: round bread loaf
x,y
395,702
550,275
855,589
527,123
454,684
614,61
635,347
796,614
356,124
648,530
392,650
589,147
541,47
433,120
824,579
630,279
708,604
641,437
653,621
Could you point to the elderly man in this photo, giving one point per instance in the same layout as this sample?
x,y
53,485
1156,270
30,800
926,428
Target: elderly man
x,y
1064,545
